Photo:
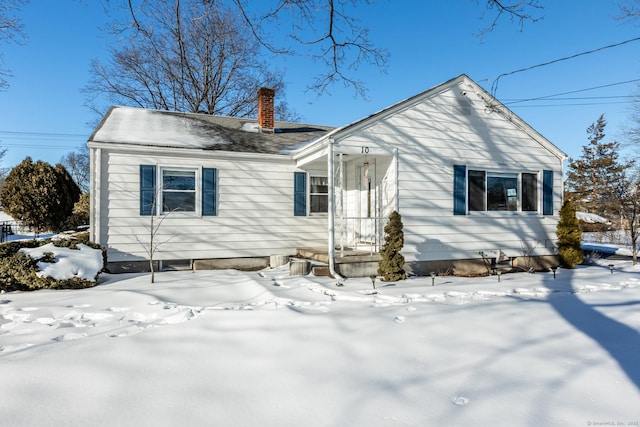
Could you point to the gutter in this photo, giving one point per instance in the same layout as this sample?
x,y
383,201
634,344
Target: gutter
x,y
331,208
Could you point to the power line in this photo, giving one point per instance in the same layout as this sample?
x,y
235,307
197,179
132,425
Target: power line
x,y
547,97
41,134
494,85
573,98
571,105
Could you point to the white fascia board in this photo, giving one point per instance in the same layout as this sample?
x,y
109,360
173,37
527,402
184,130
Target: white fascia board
x,y
320,152
191,152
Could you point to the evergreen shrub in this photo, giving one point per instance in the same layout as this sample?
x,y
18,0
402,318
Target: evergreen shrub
x,y
569,237
18,271
391,264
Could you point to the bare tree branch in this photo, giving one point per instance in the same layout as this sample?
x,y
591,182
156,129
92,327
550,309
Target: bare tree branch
x,y
11,31
327,32
519,11
183,55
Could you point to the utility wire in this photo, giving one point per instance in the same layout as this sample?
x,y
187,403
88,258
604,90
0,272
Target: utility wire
x,y
494,85
42,134
572,92
581,104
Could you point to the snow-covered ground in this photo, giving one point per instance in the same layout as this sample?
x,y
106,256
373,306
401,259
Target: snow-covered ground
x,y
229,348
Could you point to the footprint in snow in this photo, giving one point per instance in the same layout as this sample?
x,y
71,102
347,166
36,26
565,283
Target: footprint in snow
x,y
70,336
399,319
459,400
126,332
15,347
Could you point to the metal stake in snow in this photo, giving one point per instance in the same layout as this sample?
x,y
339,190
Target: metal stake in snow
x,y
499,274
554,269
433,278
373,280
611,268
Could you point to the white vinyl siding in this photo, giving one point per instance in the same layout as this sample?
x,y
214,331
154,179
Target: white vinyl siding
x,y
254,200
430,140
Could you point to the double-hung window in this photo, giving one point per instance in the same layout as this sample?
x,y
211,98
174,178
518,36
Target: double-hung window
x,y
175,189
178,190
318,194
311,191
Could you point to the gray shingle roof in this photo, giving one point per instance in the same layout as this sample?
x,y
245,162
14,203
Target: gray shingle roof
x,y
138,126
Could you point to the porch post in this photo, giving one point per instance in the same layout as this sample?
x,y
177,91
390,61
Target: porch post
x,y
331,208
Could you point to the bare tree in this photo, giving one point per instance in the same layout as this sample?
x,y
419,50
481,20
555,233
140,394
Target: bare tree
x,y
184,55
10,31
327,31
77,163
150,242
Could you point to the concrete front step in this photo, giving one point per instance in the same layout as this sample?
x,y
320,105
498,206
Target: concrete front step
x,y
353,264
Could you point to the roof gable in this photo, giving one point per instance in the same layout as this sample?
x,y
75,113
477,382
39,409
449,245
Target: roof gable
x,y
466,89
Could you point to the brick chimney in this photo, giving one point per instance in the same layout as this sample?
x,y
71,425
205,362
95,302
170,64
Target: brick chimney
x,y
265,108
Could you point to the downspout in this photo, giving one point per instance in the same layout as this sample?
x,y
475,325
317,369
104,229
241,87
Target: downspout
x,y
397,178
331,208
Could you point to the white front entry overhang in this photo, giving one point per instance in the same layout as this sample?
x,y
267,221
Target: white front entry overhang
x,y
363,190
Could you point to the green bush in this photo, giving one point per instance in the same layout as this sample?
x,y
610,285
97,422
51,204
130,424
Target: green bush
x,y
569,237
391,264
39,195
18,271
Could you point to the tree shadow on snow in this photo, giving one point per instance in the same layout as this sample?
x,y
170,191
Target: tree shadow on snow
x,y
619,340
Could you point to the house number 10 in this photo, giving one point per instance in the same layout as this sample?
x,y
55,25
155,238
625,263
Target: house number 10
x,y
365,150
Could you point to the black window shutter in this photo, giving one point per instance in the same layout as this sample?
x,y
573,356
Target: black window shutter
x,y
299,194
547,193
459,189
147,189
209,193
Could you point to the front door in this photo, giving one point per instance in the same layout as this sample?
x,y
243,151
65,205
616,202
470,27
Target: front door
x,y
367,202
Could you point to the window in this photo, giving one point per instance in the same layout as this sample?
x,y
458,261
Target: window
x,y
486,191
178,190
319,194
476,191
529,192
502,192
316,195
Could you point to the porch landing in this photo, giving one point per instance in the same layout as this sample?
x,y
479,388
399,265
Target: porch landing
x,y
348,262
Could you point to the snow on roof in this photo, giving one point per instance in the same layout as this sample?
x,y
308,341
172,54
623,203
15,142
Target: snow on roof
x,y
591,218
138,126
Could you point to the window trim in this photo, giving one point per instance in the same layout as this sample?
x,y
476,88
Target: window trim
x,y
463,184
310,178
197,190
150,191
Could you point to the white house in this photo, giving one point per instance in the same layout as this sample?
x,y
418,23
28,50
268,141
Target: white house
x,y
472,181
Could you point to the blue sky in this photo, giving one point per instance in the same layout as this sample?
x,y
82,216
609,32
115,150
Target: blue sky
x,y
42,114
